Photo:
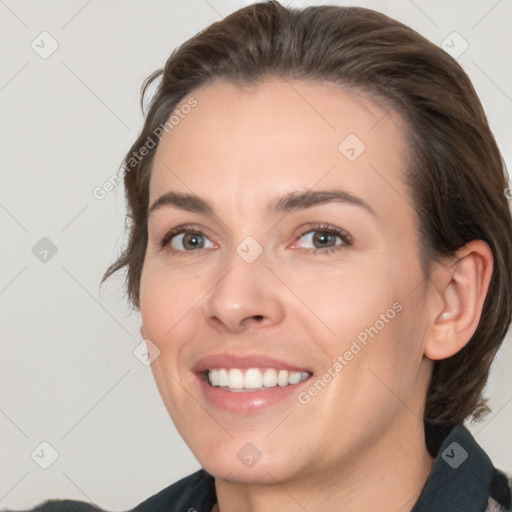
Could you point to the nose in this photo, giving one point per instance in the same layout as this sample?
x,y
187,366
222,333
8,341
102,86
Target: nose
x,y
246,296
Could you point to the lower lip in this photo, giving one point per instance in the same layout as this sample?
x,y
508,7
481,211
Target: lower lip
x,y
247,401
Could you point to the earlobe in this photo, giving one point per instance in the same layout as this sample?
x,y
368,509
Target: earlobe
x,y
461,288
141,330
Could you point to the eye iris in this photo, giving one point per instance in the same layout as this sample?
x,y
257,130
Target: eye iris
x,y
193,239
322,236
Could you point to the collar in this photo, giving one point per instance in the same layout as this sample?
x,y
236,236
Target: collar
x,y
460,478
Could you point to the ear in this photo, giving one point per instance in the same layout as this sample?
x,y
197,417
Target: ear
x,y
141,330
457,298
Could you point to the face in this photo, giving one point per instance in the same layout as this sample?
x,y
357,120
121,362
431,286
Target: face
x,y
285,295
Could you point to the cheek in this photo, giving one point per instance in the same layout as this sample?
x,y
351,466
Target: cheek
x,y
375,323
165,301
391,354
166,304
346,300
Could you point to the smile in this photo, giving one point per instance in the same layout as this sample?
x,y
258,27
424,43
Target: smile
x,y
253,379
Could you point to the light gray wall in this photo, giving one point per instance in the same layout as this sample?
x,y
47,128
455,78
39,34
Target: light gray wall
x,y
68,375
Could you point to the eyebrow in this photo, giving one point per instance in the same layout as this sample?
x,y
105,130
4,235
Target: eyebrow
x,y
292,201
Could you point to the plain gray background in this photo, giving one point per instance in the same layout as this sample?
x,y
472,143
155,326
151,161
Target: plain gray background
x,y
67,369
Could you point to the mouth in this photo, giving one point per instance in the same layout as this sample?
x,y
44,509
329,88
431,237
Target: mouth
x,y
248,383
239,380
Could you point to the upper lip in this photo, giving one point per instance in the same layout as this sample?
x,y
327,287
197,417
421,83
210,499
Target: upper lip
x,y
225,360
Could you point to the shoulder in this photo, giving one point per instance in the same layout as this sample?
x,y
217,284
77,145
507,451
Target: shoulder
x,y
500,495
62,506
194,492
463,477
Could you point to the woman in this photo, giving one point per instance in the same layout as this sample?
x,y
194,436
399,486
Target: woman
x,y
321,251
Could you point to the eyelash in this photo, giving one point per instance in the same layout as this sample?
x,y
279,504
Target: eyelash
x,y
324,228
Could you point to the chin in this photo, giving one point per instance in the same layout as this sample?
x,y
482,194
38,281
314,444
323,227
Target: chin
x,y
245,462
262,473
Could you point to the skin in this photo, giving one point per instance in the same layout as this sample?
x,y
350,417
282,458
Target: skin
x,y
359,444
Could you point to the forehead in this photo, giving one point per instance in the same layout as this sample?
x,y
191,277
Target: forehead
x,y
243,145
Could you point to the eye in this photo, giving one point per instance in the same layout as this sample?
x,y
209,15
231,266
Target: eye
x,y
185,240
324,238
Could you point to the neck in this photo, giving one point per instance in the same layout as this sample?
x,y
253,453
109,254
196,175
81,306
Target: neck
x,y
388,476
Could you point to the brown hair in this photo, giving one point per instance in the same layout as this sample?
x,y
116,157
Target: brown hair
x,y
456,175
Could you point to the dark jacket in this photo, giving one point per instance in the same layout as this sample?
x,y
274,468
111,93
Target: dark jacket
x,y
463,479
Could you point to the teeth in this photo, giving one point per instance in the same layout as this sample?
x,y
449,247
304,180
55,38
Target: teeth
x,y
294,377
223,377
214,377
253,378
236,378
270,378
282,378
